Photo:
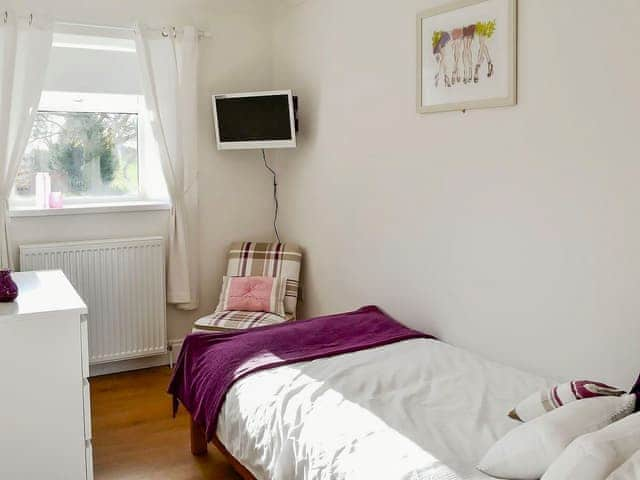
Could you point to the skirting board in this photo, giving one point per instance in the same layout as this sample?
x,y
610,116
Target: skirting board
x,y
138,363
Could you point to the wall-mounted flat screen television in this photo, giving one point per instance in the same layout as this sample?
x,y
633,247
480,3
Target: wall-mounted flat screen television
x,y
255,120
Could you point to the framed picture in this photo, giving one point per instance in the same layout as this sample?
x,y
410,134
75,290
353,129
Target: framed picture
x,y
467,55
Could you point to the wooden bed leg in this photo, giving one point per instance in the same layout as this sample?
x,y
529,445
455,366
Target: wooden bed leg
x,y
198,440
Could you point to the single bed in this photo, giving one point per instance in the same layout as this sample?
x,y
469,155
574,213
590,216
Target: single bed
x,y
411,409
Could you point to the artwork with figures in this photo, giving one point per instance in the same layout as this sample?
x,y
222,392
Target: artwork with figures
x,y
466,55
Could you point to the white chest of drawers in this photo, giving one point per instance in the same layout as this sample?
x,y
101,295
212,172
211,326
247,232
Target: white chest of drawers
x,y
45,413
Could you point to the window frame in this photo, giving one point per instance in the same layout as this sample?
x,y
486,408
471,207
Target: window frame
x,y
76,204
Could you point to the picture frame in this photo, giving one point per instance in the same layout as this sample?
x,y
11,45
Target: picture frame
x,y
467,56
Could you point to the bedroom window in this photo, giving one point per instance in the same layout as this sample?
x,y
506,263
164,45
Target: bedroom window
x,y
87,144
91,140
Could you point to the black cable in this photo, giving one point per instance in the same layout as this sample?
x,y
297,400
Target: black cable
x,y
275,194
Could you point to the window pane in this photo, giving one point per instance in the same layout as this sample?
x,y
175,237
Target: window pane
x,y
86,154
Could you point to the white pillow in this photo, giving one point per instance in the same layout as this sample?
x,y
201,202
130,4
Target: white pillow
x,y
630,470
596,455
527,451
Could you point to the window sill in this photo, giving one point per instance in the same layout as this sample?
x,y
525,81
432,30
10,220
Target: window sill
x,y
115,207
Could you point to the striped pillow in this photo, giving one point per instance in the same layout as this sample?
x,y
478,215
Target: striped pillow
x,y
541,402
253,294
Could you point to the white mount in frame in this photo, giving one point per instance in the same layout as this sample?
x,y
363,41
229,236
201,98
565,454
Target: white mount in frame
x,y
467,55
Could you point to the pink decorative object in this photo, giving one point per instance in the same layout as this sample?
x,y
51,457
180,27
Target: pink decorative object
x,y
8,288
253,294
55,200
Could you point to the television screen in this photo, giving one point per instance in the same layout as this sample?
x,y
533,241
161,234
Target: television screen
x,y
254,120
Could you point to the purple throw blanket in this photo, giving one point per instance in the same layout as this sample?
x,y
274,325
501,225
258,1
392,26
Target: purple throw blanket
x,y
209,364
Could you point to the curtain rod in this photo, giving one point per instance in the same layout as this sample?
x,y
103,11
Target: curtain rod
x,y
201,33
5,15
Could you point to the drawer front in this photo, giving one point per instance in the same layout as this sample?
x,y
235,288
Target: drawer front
x,y
84,339
42,437
86,393
89,459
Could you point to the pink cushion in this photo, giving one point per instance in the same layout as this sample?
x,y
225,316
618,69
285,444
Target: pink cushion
x,y
253,294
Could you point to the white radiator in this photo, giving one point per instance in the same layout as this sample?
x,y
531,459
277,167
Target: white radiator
x,y
122,283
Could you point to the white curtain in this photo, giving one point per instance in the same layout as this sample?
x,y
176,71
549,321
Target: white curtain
x,y
25,48
169,72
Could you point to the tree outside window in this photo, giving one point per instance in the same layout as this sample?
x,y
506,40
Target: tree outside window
x,y
86,154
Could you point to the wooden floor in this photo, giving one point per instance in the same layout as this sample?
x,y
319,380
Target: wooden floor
x,y
135,436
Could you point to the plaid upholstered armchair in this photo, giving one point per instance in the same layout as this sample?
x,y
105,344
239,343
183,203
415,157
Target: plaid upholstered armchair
x,y
248,259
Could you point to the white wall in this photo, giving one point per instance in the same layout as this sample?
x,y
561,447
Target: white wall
x,y
233,186
513,232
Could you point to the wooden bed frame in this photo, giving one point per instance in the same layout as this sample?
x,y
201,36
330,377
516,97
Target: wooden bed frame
x,y
199,448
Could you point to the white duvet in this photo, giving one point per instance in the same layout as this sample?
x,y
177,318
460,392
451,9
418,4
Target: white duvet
x,y
418,409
